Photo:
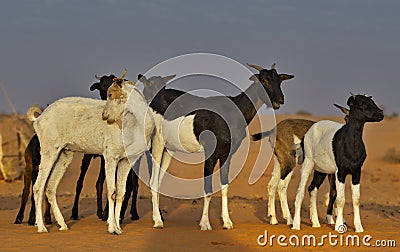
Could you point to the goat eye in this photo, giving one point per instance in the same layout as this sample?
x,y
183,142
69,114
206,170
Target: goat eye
x,y
109,95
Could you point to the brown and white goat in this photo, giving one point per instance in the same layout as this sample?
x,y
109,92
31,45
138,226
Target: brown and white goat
x,y
287,133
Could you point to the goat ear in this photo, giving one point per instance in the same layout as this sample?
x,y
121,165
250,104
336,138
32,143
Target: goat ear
x,y
286,77
168,78
345,111
142,78
95,86
351,101
254,78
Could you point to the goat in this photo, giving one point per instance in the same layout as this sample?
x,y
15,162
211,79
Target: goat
x,y
32,160
228,130
286,134
334,148
92,135
283,137
132,185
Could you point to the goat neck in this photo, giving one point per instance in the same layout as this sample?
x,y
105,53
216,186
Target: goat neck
x,y
250,101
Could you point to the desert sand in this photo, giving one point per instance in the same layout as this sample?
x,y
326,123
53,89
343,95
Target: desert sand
x,y
380,208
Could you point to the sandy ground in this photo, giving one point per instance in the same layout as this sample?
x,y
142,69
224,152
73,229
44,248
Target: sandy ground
x,y
380,209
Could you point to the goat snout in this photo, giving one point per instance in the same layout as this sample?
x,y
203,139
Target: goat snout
x,y
104,115
380,115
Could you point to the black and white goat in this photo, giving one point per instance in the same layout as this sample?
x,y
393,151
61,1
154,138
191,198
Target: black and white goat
x,y
334,148
286,139
192,115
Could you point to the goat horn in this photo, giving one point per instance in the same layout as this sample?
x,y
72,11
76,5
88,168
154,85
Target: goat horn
x,y
273,66
123,74
343,109
97,77
255,67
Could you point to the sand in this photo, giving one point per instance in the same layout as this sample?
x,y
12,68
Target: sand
x,y
380,209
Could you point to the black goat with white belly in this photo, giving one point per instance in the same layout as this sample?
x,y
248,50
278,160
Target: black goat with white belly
x,y
334,148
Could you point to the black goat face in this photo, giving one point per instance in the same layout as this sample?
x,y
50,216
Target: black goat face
x,y
364,109
153,85
271,81
103,85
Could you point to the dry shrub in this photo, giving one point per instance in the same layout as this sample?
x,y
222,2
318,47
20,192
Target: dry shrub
x,y
304,112
393,115
9,173
392,156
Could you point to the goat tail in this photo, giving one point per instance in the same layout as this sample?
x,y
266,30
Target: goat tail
x,y
296,147
299,149
259,136
33,113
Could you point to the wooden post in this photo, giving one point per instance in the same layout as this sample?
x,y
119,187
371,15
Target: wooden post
x,y
19,147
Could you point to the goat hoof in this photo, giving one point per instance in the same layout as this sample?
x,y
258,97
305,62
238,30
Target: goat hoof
x,y
74,218
100,215
118,230
158,224
316,225
205,226
31,222
295,227
42,230
228,224
330,220
63,228
273,221
115,232
359,229
136,217
18,221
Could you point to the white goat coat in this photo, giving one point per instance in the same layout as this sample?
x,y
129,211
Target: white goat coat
x,y
318,145
75,124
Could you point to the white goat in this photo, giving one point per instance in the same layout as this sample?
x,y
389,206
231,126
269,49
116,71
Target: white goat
x,y
334,148
75,124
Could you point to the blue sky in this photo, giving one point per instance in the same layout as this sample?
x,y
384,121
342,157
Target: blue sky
x,y
52,49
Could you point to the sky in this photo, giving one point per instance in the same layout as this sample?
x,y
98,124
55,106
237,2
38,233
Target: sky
x,y
51,49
